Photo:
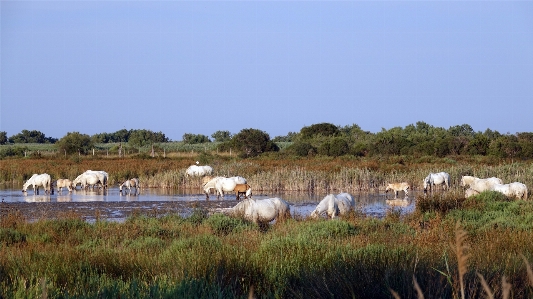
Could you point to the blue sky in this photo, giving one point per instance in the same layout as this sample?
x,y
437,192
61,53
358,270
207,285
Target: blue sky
x,y
199,66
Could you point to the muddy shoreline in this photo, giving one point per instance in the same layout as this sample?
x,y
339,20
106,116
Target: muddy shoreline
x,y
112,211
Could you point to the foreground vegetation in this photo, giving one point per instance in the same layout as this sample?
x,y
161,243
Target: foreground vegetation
x,y
449,245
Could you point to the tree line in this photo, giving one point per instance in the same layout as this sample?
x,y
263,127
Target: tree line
x,y
326,139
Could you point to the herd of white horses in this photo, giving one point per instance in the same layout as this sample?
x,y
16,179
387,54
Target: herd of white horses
x,y
473,184
88,179
264,211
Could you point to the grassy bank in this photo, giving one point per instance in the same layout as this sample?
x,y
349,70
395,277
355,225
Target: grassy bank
x,y
445,246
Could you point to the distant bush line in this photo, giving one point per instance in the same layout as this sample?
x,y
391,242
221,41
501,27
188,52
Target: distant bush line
x,y
324,139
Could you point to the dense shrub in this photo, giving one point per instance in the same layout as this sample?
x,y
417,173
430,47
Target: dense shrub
x,y
75,142
253,142
302,149
323,129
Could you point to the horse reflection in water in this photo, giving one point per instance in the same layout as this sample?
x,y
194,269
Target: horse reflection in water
x,y
37,198
398,202
89,195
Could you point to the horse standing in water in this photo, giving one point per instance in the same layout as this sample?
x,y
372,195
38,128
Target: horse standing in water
x,y
130,183
334,205
261,211
441,178
38,180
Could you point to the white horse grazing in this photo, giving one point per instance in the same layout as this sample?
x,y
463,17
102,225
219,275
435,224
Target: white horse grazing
x,y
63,183
441,178
397,187
517,190
102,175
334,205
222,184
470,192
478,184
86,179
130,183
38,180
195,170
261,211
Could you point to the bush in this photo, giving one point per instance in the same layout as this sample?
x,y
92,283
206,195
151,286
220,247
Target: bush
x,y
223,224
302,149
74,142
252,142
323,129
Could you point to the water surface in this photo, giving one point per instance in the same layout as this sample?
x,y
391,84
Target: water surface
x,y
302,204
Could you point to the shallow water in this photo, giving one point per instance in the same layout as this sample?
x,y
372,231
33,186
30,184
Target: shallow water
x,y
302,204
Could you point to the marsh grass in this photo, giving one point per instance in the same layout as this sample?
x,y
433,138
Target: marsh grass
x,y
272,174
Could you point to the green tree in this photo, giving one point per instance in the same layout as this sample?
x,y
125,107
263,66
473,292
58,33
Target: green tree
x,y
101,138
526,143
3,137
145,137
253,142
302,149
290,137
75,142
338,147
221,136
120,136
461,131
478,145
322,129
33,136
195,138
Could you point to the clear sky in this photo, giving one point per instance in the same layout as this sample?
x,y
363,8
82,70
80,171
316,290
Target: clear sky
x,y
198,66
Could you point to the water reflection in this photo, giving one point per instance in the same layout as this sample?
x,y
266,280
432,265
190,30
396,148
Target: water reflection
x,y
37,198
398,202
302,203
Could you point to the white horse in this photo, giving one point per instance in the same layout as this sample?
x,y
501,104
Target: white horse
x,y
222,184
63,183
102,175
470,192
441,178
86,179
516,189
334,205
130,183
261,211
397,187
195,170
478,184
38,180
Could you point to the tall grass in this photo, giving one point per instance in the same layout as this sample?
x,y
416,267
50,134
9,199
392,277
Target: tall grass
x,y
270,173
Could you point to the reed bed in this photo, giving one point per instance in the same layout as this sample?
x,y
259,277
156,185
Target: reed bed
x,y
271,174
